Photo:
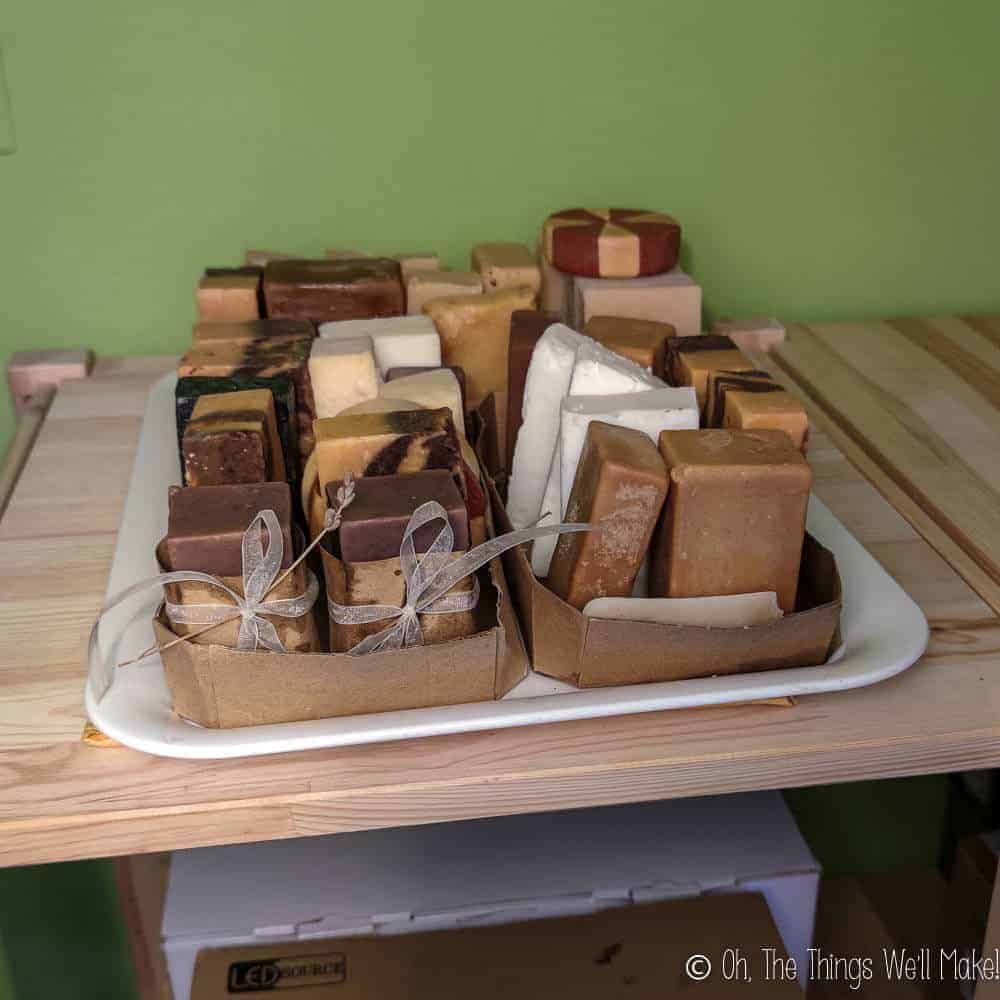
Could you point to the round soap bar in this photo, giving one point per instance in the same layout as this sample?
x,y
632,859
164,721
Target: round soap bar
x,y
611,242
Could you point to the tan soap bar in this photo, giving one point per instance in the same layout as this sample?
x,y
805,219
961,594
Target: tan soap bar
x,y
750,408
383,444
229,298
231,438
506,265
735,516
382,582
690,360
424,286
475,336
640,340
671,297
619,488
557,291
261,258
410,263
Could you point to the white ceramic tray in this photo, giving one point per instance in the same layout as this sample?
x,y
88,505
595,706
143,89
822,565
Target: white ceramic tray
x,y
883,633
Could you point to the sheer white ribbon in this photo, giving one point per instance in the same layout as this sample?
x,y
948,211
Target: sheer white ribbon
x,y
429,578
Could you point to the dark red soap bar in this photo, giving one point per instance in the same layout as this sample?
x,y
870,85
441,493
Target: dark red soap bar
x,y
373,525
205,525
325,290
526,326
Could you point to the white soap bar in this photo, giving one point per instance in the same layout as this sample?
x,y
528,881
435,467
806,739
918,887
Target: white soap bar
x,y
432,390
600,372
398,341
734,611
547,381
672,297
650,412
342,373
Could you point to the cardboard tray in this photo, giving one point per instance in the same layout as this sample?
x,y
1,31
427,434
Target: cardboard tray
x,y
883,632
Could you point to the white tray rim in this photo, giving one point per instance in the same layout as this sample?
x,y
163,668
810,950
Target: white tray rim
x,y
884,632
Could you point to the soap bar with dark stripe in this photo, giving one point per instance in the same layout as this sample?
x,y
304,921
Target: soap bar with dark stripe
x,y
326,290
385,444
691,359
753,401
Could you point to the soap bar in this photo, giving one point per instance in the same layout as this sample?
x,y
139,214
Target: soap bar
x,y
639,340
600,372
382,582
734,520
205,525
384,444
189,390
346,255
252,270
475,333
252,329
432,389
410,263
342,372
691,359
405,371
752,333
373,525
261,258
506,265
619,488
557,291
260,359
547,382
526,326
324,290
720,381
751,405
734,611
232,437
665,298
425,286
229,298
397,341
649,412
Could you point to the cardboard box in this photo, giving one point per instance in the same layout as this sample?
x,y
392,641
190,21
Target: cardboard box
x,y
283,895
223,688
637,953
861,918
592,652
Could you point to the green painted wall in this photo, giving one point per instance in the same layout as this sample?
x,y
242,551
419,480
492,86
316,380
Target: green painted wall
x,y
826,159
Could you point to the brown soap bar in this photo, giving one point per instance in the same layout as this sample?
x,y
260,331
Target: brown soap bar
x,y
639,340
619,487
405,370
690,359
385,444
229,298
252,329
288,355
475,333
526,326
232,437
373,525
755,404
327,290
735,516
719,382
205,525
382,582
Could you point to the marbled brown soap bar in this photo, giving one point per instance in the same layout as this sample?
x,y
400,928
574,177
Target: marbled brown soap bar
x,y
735,516
373,525
385,444
252,329
325,290
619,488
639,340
232,437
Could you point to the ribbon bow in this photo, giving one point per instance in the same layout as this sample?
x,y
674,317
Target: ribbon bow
x,y
260,570
429,578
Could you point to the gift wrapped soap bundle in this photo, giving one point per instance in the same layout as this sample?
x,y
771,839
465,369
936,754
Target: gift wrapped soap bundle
x,y
347,429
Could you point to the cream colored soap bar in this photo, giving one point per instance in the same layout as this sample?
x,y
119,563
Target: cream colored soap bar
x,y
411,263
664,298
398,341
506,265
343,373
431,390
425,286
733,611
